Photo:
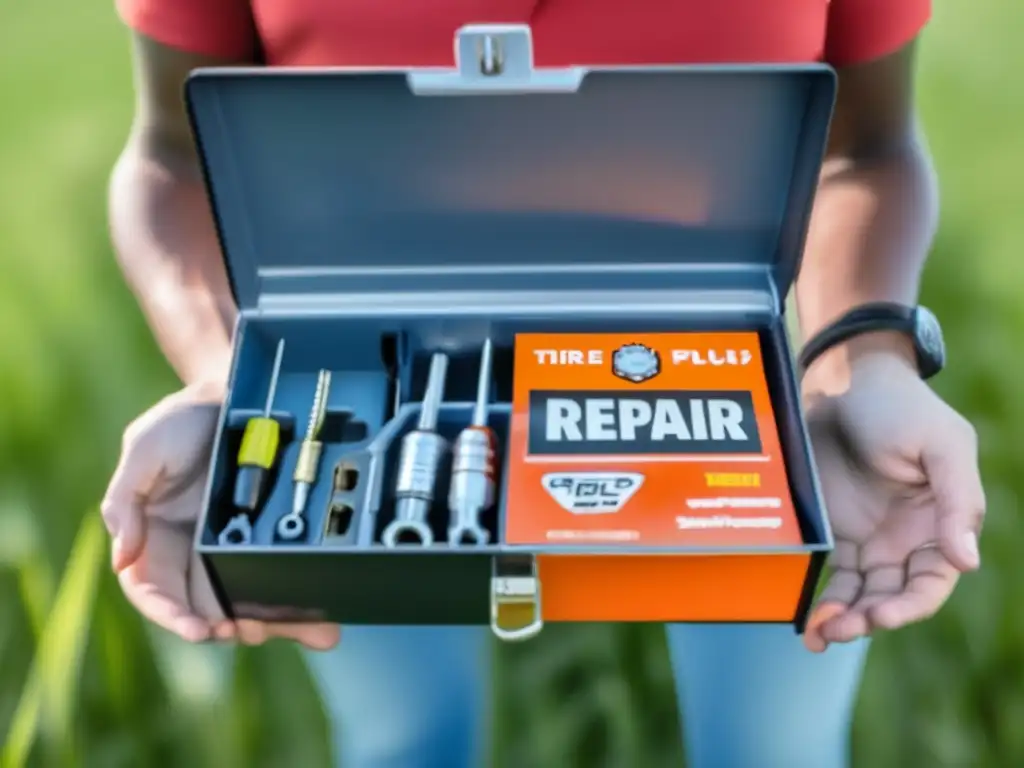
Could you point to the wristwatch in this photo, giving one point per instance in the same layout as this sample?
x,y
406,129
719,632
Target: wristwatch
x,y
918,323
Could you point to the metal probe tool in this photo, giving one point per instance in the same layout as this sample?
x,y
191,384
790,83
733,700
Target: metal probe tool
x,y
418,466
474,467
307,466
256,457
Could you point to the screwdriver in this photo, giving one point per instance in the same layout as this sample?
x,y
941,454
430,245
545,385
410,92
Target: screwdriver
x,y
293,525
258,451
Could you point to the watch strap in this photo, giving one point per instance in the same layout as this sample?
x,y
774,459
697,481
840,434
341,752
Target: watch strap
x,y
867,318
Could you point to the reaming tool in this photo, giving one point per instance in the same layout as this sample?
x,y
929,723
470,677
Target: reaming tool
x,y
293,525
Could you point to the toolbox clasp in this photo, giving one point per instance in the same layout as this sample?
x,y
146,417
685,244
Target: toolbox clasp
x,y
515,598
494,58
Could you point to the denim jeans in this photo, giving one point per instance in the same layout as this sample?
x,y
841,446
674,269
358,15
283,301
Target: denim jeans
x,y
750,696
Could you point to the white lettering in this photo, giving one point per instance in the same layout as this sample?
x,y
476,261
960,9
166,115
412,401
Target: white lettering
x,y
633,414
563,420
714,357
601,419
668,421
726,418
569,356
698,422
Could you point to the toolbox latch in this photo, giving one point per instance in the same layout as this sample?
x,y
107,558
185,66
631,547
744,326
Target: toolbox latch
x,y
493,58
515,598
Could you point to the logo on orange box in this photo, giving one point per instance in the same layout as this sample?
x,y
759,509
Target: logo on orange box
x,y
592,493
636,363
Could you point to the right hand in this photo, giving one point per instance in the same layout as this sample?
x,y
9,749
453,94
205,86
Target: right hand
x,y
151,508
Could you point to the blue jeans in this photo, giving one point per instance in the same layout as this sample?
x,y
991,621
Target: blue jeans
x,y
750,696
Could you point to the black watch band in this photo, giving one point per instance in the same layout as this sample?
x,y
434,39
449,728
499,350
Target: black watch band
x,y
918,323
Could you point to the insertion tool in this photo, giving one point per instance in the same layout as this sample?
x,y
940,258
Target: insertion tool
x,y
256,458
260,442
307,466
418,466
474,467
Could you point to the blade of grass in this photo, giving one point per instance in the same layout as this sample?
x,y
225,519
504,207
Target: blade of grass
x,y
53,679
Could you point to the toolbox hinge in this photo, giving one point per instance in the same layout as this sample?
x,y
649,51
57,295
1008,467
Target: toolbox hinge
x,y
515,598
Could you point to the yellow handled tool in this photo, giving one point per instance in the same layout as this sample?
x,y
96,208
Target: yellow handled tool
x,y
260,444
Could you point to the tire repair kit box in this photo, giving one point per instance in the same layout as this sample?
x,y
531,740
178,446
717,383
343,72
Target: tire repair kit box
x,y
511,346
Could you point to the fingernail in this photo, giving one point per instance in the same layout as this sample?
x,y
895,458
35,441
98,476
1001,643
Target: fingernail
x,y
971,547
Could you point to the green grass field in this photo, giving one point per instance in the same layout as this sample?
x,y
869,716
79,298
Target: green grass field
x,y
83,682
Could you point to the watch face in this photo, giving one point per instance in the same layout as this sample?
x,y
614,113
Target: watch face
x,y
928,337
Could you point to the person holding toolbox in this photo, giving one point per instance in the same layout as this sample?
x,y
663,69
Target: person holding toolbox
x,y
898,466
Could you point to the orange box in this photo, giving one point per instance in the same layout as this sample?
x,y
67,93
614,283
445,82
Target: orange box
x,y
653,463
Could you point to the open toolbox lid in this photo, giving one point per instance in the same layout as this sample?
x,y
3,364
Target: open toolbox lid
x,y
344,181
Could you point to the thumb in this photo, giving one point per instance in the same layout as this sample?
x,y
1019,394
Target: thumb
x,y
123,504
951,464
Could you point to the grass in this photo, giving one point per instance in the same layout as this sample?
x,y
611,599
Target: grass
x,y
84,682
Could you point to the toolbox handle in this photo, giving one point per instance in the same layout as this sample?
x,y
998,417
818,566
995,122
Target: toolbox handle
x,y
494,58
515,590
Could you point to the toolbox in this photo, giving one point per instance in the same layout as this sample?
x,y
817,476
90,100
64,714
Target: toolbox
x,y
511,345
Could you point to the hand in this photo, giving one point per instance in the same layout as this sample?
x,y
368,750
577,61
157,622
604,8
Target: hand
x,y
150,509
899,473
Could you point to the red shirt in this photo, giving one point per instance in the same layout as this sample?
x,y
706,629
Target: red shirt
x,y
421,32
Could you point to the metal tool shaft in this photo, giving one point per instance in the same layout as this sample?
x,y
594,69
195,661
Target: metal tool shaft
x,y
318,412
418,465
474,466
483,386
275,375
434,393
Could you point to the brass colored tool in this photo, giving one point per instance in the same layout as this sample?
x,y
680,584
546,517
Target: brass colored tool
x,y
307,466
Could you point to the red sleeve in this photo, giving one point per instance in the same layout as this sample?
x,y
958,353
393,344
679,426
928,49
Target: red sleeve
x,y
218,28
862,30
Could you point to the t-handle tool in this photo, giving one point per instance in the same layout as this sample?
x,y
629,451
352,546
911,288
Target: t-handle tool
x,y
293,525
474,467
256,457
418,466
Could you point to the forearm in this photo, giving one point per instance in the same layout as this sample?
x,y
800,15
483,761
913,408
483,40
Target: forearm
x,y
870,232
167,247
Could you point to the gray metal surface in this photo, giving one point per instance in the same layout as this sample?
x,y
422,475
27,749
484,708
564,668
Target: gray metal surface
x,y
333,181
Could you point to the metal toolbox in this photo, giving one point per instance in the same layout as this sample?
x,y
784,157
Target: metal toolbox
x,y
373,219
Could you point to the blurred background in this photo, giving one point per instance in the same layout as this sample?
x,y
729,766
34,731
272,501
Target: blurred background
x,y
83,682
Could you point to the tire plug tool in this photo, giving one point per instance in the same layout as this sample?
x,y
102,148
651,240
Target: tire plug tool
x,y
293,526
418,466
474,467
258,451
256,457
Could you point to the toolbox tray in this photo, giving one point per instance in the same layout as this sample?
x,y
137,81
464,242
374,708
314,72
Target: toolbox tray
x,y
369,218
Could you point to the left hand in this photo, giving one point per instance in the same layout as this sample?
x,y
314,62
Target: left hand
x,y
899,473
